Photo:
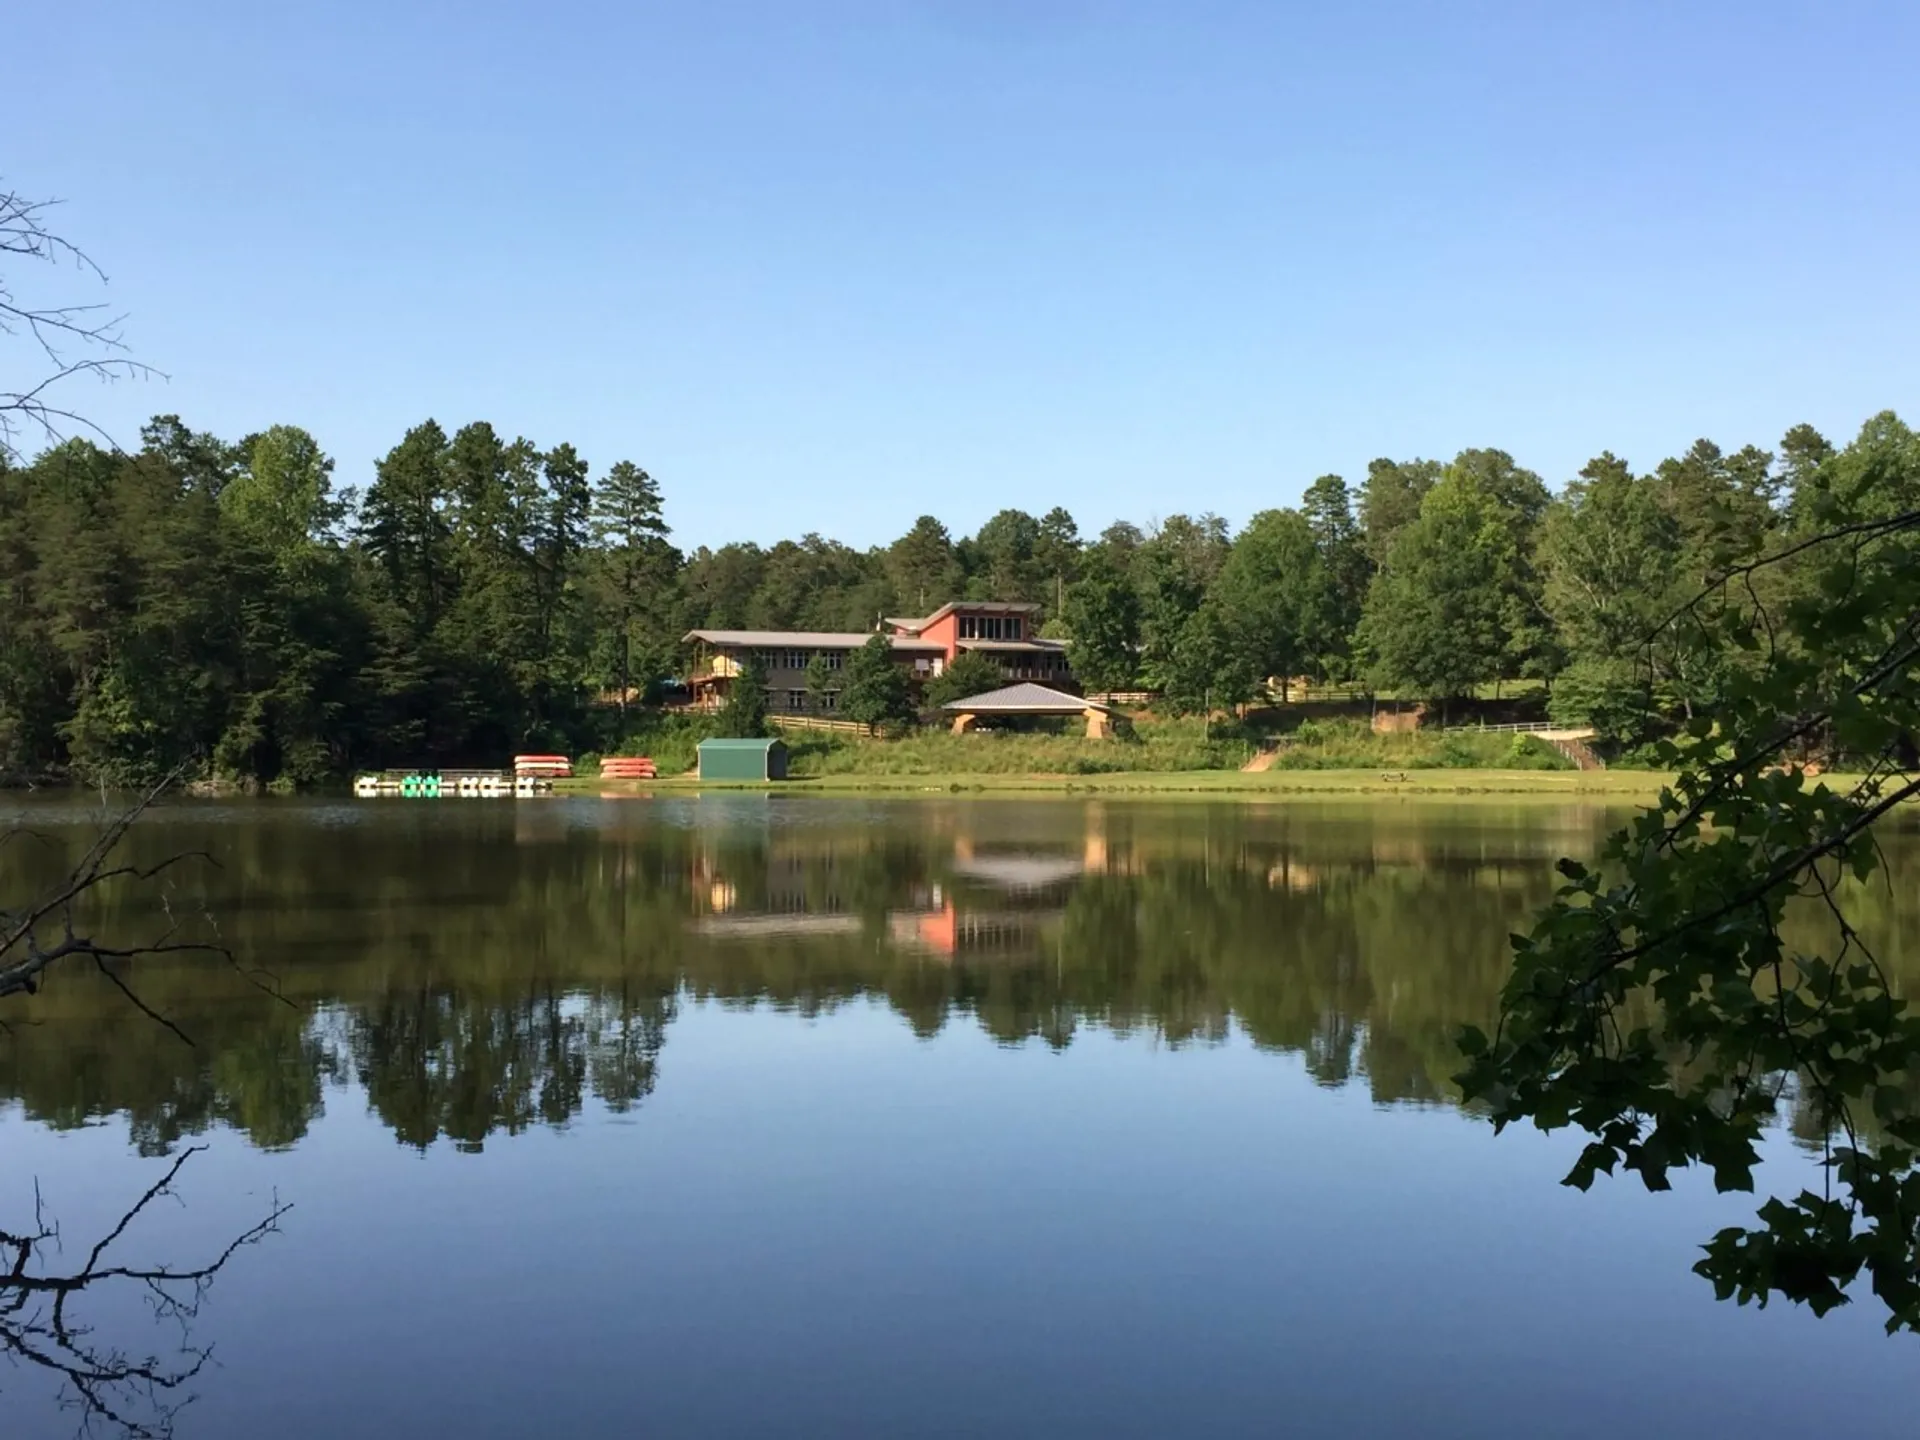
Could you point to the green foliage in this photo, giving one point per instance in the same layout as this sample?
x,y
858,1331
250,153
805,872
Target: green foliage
x,y
876,690
1350,745
1172,570
1435,614
1102,618
635,575
1201,669
1002,559
283,499
823,679
218,604
922,566
1328,508
1273,595
670,738
971,673
1056,557
1658,1003
1390,500
744,716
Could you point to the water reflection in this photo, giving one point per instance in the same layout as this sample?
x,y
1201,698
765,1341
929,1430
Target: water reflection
x,y
81,1319
482,969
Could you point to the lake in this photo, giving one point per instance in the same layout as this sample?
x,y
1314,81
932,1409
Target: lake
x,y
752,1115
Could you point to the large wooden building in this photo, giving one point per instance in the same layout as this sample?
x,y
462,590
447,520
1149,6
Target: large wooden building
x,y
1002,630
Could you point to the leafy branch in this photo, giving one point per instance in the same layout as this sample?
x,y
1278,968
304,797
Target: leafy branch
x,y
1656,1004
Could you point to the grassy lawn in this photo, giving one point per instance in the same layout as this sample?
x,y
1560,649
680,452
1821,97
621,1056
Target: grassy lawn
x,y
1164,756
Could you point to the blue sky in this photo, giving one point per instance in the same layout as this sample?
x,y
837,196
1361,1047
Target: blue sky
x,y
830,265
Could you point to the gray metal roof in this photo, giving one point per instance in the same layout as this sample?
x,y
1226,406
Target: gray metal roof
x,y
1026,698
1022,647
804,639
741,743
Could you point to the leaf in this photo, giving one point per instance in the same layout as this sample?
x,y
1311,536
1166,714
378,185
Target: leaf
x,y
1594,1158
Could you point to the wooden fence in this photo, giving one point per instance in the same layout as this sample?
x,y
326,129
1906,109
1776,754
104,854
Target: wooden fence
x,y
818,722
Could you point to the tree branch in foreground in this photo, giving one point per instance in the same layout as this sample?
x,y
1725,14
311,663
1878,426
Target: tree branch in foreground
x,y
73,339
1662,1003
44,932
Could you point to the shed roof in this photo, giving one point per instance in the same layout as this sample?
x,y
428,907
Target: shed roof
x,y
742,743
805,639
1026,699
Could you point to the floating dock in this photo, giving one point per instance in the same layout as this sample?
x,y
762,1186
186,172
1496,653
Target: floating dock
x,y
448,784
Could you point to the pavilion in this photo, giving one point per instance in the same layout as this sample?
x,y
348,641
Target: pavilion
x,y
1029,699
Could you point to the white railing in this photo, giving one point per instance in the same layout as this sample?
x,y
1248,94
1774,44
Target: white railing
x,y
1519,727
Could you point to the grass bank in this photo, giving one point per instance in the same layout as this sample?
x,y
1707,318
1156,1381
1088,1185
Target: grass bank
x,y
1635,785
1153,745
1158,755
1157,746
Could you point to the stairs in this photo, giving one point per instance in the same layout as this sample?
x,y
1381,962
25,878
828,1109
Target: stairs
x,y
1574,746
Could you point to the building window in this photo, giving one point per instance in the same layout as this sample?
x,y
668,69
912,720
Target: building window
x,y
829,699
796,699
797,659
990,627
834,658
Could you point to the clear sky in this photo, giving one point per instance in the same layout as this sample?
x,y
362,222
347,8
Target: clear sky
x,y
831,264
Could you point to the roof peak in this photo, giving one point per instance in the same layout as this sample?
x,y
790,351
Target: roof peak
x,y
1029,698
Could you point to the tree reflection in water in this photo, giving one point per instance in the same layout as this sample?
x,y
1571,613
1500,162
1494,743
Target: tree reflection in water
x,y
469,972
47,1308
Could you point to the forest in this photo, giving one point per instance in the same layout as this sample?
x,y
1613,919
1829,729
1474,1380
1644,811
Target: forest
x,y
226,606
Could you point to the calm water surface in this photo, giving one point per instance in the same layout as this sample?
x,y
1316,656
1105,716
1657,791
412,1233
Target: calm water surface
x,y
762,1116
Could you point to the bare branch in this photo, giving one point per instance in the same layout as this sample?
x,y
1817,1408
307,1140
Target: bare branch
x,y
40,1329
73,339
25,957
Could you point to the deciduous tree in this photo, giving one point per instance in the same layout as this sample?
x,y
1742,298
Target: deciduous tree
x,y
1103,624
876,690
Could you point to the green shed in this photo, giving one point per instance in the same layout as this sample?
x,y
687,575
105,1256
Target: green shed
x,y
743,759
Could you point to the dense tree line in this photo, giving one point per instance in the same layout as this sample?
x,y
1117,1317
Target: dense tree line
x,y
221,602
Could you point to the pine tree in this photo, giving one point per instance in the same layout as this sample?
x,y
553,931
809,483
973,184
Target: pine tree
x,y
640,566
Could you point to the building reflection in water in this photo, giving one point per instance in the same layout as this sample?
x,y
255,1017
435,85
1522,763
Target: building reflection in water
x,y
967,897
470,969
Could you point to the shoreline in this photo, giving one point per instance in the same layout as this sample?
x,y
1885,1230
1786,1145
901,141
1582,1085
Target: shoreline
x,y
1621,785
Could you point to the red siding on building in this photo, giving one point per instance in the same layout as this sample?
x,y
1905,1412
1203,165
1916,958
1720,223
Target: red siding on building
x,y
945,632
